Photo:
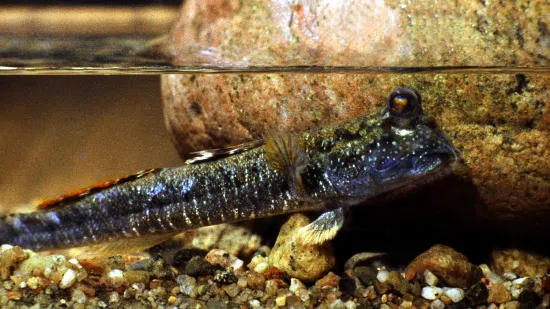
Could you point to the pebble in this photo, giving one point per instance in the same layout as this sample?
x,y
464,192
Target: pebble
x,y
331,279
256,281
512,305
437,304
261,268
198,266
446,263
431,292
498,294
305,262
224,259
116,278
68,279
382,276
366,274
255,303
187,285
280,301
529,299
509,276
455,294
430,278
477,294
78,296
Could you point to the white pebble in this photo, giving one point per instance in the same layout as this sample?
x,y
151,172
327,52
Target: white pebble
x,y
295,284
485,269
280,301
337,304
261,268
255,303
437,304
382,276
5,247
430,278
455,294
492,306
509,276
117,277
350,304
519,282
431,292
68,279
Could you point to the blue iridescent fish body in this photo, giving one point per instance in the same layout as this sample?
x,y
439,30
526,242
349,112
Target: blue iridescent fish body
x,y
326,169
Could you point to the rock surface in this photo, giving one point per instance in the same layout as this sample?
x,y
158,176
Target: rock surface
x,y
243,33
500,122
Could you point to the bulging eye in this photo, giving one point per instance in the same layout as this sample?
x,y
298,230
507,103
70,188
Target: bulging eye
x,y
405,103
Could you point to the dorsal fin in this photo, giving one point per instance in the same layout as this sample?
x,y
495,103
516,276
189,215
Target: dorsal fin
x,y
81,193
215,154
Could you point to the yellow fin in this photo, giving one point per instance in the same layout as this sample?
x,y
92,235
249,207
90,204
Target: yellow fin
x,y
119,246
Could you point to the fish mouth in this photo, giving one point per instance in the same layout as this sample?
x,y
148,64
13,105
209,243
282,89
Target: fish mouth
x,y
433,161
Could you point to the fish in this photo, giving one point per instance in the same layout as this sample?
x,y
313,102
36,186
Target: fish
x,y
326,169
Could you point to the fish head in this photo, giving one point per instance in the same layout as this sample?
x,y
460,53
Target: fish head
x,y
377,153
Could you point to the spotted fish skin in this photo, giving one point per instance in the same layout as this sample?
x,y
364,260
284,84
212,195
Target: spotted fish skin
x,y
323,169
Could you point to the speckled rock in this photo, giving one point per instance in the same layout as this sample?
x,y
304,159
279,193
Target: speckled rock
x,y
10,256
523,263
447,264
238,240
498,294
500,122
361,33
304,262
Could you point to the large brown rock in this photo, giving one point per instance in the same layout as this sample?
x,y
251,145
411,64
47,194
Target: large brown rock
x,y
500,122
361,33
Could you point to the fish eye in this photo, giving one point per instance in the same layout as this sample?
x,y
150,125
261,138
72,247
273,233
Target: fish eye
x,y
405,103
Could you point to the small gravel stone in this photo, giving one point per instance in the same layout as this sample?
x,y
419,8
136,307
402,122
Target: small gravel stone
x,y
512,305
430,278
232,290
437,304
529,299
116,278
78,296
68,279
510,276
255,303
280,301
261,268
187,285
224,259
366,274
350,304
256,281
331,279
446,263
498,294
455,294
382,276
477,294
431,292
198,266
302,261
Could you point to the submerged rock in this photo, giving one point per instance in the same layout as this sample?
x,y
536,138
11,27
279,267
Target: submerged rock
x,y
500,122
305,262
447,264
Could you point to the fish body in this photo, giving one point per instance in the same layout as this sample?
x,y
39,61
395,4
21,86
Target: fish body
x,y
326,169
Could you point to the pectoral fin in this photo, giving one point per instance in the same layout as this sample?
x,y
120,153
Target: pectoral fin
x,y
324,228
